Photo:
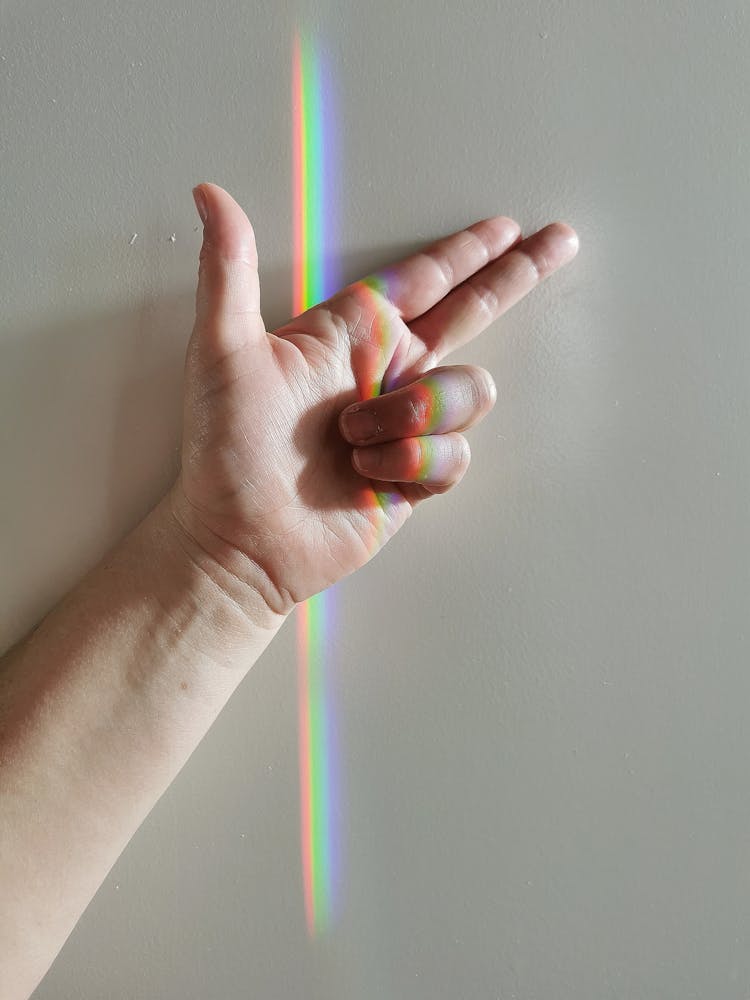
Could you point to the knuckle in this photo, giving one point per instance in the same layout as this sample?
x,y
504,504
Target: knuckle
x,y
416,411
534,264
481,389
473,238
441,259
484,296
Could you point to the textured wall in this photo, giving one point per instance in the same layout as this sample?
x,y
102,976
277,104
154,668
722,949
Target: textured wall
x,y
541,685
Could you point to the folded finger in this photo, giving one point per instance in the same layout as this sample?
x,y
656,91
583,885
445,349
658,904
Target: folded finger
x,y
436,461
450,398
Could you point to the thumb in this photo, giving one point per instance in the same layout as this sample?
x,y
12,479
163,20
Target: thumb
x,y
227,302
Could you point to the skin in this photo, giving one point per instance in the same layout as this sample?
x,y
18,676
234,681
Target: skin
x,y
287,503
278,497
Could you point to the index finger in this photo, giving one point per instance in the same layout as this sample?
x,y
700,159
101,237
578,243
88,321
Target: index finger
x,y
418,282
483,297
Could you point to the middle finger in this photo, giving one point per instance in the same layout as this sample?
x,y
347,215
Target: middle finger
x,y
479,301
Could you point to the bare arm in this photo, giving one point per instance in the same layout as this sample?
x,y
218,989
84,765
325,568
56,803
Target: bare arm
x,y
279,496
100,707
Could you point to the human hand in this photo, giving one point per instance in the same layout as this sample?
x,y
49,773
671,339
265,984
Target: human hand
x,y
270,492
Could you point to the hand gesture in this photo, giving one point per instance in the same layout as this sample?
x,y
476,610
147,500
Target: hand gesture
x,y
306,449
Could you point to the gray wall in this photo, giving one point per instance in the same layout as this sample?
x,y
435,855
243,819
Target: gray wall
x,y
541,685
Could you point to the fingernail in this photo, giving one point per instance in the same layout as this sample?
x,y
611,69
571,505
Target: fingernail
x,y
200,204
368,460
360,425
569,247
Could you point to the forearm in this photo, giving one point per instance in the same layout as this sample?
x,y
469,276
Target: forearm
x,y
100,707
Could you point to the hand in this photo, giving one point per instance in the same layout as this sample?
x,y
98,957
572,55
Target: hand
x,y
270,490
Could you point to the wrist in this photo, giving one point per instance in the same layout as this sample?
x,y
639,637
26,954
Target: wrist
x,y
230,582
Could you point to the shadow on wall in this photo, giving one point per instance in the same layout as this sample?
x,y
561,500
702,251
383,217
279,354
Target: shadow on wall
x,y
91,420
91,417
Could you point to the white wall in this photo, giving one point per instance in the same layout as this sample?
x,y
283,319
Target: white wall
x,y
542,684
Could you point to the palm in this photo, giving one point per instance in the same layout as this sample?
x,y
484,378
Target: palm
x,y
272,456
266,471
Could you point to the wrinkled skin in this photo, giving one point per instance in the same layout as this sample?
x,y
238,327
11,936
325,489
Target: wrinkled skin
x,y
270,490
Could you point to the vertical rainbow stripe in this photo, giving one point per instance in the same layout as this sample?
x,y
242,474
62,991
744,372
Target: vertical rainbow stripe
x,y
313,282
314,279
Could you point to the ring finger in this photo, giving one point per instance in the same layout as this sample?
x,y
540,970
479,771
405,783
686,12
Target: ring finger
x,y
449,398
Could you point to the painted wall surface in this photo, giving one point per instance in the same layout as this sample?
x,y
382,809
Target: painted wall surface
x,y
541,687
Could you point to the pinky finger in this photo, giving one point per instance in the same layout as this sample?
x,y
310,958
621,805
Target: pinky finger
x,y
436,462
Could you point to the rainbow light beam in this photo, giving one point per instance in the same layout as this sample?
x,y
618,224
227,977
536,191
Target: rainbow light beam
x,y
314,281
